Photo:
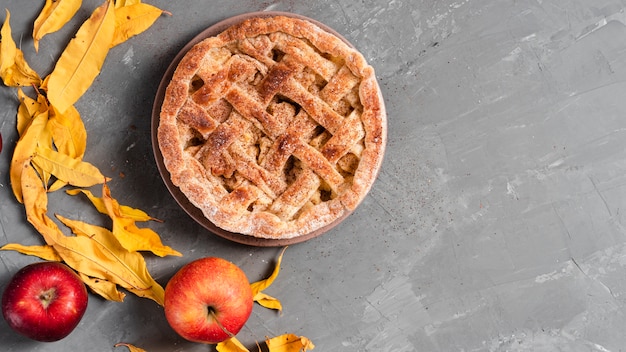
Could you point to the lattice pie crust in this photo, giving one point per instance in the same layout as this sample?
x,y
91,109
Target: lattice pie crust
x,y
274,128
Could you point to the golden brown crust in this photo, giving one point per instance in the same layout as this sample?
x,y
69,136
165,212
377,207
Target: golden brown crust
x,y
273,128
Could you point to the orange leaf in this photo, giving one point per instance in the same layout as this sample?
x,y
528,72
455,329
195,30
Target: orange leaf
x,y
122,3
268,301
14,70
24,151
231,345
104,288
125,211
128,234
54,15
262,298
36,205
45,141
89,252
44,252
68,132
289,343
69,137
133,19
98,254
82,59
130,347
28,108
71,170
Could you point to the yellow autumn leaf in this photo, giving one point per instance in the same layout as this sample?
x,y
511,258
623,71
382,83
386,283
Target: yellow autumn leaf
x,y
128,234
122,3
268,301
54,15
7,45
134,238
97,253
262,298
71,170
56,185
45,141
289,343
68,132
125,211
21,74
82,59
28,108
26,111
93,255
44,252
69,136
104,288
36,205
133,19
24,151
231,345
130,347
14,70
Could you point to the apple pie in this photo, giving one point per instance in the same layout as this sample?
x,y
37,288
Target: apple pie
x,y
274,128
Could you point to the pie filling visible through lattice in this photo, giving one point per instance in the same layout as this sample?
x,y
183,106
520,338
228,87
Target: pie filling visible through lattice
x,y
274,128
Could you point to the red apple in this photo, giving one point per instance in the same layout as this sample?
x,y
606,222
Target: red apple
x,y
208,300
44,301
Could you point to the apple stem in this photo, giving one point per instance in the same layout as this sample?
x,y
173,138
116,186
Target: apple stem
x,y
46,297
212,315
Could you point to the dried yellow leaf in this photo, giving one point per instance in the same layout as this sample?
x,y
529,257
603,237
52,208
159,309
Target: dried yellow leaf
x,y
103,288
56,185
36,205
133,19
28,108
268,301
231,345
89,253
68,132
68,135
54,15
26,111
130,347
289,343
134,238
24,151
45,141
262,298
82,59
125,211
128,234
97,253
14,70
71,170
24,114
122,3
44,252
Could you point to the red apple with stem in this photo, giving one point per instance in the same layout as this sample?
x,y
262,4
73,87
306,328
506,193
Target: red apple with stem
x,y
44,301
208,300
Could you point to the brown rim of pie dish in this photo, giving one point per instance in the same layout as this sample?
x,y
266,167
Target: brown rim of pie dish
x,y
194,212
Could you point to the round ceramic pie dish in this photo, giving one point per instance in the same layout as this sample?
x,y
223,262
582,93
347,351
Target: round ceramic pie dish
x,y
268,128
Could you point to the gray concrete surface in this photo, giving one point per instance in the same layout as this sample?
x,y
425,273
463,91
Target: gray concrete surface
x,y
496,224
